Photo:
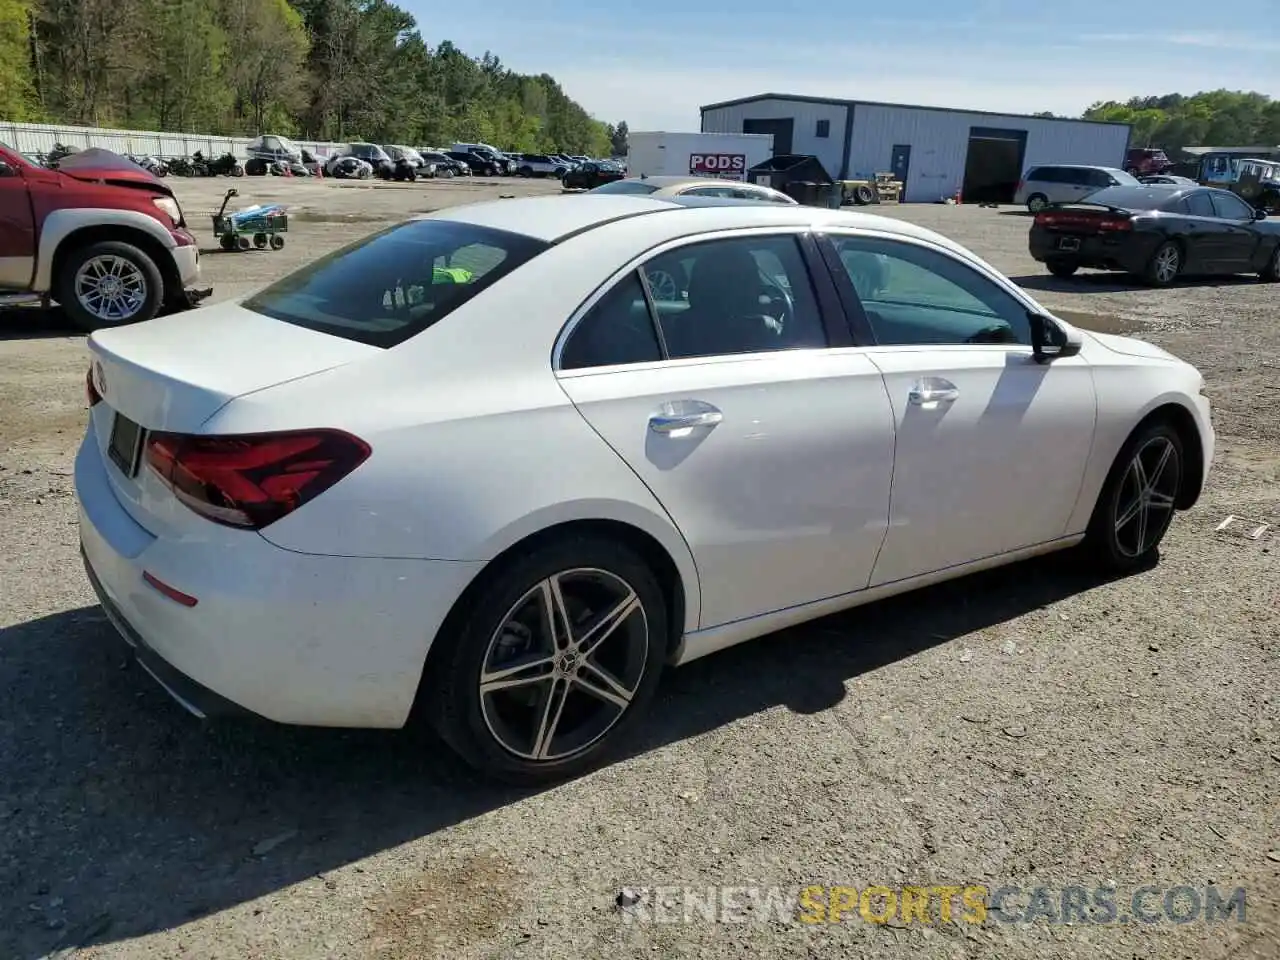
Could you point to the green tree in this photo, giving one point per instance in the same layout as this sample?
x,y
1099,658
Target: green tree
x,y
1220,118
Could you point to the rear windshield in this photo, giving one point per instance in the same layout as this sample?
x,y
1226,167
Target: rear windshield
x,y
392,286
626,186
1141,197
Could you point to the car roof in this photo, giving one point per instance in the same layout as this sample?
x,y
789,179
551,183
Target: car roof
x,y
555,218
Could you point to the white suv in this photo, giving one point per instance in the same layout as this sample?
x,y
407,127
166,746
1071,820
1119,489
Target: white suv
x,y
1066,183
541,165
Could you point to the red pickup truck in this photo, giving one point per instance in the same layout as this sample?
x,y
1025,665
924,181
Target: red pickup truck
x,y
101,236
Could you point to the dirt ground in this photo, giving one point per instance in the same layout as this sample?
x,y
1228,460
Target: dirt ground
x,y
1025,728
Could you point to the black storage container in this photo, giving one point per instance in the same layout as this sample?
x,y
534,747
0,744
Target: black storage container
x,y
799,176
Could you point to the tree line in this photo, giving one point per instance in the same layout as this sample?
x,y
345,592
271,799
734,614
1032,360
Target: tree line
x,y
1217,118
336,70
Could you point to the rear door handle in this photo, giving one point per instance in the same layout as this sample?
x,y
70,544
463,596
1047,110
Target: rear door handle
x,y
931,390
684,415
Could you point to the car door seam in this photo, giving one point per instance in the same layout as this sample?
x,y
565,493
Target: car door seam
x,y
893,469
693,559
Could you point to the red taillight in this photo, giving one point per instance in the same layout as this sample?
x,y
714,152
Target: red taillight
x,y
1115,223
91,391
1045,219
252,480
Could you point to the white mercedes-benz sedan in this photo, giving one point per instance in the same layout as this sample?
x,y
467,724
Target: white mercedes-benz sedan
x,y
499,465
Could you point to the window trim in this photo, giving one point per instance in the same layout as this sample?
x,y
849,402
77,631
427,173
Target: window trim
x,y
830,310
860,327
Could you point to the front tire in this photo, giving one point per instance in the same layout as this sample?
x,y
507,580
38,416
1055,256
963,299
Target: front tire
x,y
525,702
1136,505
108,284
1271,272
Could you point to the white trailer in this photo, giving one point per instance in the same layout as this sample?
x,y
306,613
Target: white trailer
x,y
726,155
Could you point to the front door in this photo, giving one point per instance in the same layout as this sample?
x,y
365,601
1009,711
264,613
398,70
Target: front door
x,y
991,446
1241,238
900,164
17,228
771,452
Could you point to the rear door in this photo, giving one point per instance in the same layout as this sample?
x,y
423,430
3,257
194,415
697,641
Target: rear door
x,y
1075,183
721,370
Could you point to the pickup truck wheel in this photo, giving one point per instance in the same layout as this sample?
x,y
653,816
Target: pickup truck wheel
x,y
108,284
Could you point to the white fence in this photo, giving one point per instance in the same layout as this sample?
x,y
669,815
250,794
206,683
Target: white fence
x,y
39,138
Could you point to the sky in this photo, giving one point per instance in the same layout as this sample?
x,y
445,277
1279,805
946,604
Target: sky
x,y
653,65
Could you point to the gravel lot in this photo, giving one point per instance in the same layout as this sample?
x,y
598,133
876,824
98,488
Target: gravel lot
x,y
1028,727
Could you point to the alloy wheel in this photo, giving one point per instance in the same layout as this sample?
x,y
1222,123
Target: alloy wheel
x,y
112,289
1145,501
563,667
1168,260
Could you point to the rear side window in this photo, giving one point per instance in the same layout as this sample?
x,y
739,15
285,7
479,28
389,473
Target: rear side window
x,y
1199,205
618,329
626,186
1045,175
392,286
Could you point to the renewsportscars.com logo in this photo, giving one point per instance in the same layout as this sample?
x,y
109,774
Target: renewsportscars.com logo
x,y
932,905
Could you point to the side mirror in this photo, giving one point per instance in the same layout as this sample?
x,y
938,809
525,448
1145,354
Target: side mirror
x,y
1259,214
1051,339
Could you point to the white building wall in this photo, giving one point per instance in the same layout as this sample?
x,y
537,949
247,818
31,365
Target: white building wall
x,y
804,138
939,141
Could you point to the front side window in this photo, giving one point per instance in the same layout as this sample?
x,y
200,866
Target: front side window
x,y
1231,207
385,289
916,295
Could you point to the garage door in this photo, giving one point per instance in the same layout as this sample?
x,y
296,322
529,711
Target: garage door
x,y
782,131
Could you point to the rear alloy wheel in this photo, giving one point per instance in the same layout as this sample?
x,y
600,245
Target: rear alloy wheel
x,y
1271,272
1165,265
1037,202
557,661
108,284
1138,499
1062,268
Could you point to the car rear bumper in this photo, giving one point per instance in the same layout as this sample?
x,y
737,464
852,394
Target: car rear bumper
x,y
1128,252
294,638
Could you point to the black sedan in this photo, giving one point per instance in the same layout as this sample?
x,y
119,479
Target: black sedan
x,y
1158,233
588,176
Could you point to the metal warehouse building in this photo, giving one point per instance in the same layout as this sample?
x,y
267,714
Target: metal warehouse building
x,y
934,151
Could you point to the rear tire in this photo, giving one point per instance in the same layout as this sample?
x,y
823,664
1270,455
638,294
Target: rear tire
x,y
1062,268
1119,539
76,278
497,732
1164,266
1037,202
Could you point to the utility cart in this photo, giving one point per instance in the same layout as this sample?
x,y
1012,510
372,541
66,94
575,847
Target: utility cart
x,y
258,226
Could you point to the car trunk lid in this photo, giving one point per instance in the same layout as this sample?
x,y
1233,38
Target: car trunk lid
x,y
1085,219
174,373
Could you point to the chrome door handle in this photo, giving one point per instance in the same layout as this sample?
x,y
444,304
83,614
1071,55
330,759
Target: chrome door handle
x,y
933,390
664,424
684,415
